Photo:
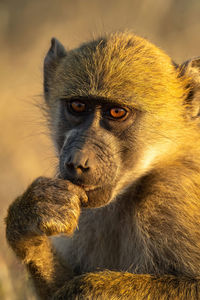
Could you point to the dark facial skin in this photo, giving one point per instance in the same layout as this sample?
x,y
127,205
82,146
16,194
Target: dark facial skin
x,y
94,147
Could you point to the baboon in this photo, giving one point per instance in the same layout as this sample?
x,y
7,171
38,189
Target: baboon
x,y
121,220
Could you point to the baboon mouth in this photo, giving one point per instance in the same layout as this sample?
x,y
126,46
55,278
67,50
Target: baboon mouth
x,y
88,188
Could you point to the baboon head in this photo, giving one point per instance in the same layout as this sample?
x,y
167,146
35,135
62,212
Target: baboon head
x,y
117,108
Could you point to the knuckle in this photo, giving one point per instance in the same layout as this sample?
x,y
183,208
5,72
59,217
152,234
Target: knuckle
x,y
40,180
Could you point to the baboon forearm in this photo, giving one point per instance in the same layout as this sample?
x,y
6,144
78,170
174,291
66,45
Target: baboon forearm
x,y
47,271
119,285
27,220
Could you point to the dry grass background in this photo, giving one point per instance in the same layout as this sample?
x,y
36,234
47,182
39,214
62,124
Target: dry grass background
x,y
25,30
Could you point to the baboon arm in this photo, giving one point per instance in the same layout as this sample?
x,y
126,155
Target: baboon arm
x,y
122,285
47,208
47,270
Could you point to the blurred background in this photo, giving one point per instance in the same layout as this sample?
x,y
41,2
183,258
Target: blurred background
x,y
26,28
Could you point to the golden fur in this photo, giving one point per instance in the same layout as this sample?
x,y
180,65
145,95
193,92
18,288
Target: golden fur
x,y
144,243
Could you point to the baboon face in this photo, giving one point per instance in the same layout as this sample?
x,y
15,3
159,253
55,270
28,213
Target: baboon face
x,y
105,147
96,148
114,112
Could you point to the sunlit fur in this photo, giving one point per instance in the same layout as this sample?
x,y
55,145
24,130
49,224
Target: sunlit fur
x,y
145,242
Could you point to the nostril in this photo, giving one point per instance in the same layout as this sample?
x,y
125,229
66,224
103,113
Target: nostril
x,y
70,166
83,169
86,163
69,163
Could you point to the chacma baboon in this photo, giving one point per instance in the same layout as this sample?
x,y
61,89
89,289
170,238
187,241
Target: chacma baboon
x,y
122,219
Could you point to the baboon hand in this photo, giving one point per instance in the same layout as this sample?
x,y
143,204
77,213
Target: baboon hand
x,y
49,206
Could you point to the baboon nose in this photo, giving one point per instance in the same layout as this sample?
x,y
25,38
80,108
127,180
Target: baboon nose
x,y
77,163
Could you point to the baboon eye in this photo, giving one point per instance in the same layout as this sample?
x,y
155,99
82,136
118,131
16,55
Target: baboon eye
x,y
77,106
118,112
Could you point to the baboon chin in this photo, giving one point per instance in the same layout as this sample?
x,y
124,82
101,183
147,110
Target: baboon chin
x,y
98,197
121,221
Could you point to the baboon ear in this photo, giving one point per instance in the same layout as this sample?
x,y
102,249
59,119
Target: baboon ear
x,y
55,53
191,69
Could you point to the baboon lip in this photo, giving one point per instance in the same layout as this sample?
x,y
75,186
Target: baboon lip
x,y
88,188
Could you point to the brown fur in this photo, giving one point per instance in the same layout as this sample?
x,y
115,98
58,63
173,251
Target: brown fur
x,y
138,238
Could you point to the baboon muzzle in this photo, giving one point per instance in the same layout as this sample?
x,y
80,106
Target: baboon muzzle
x,y
79,166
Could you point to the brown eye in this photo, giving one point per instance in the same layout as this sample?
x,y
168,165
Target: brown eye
x,y
117,112
78,106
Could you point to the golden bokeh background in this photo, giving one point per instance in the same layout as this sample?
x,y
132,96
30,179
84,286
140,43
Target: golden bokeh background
x,y
26,28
